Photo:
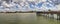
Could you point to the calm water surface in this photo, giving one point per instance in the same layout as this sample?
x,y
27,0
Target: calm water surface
x,y
25,18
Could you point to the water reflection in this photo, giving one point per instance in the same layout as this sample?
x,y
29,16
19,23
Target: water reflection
x,y
25,18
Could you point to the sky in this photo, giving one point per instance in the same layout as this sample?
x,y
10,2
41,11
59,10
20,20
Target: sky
x,y
41,4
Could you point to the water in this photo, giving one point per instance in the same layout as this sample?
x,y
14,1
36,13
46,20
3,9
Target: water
x,y
25,18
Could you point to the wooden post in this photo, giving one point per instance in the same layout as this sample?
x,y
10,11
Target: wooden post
x,y
58,16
